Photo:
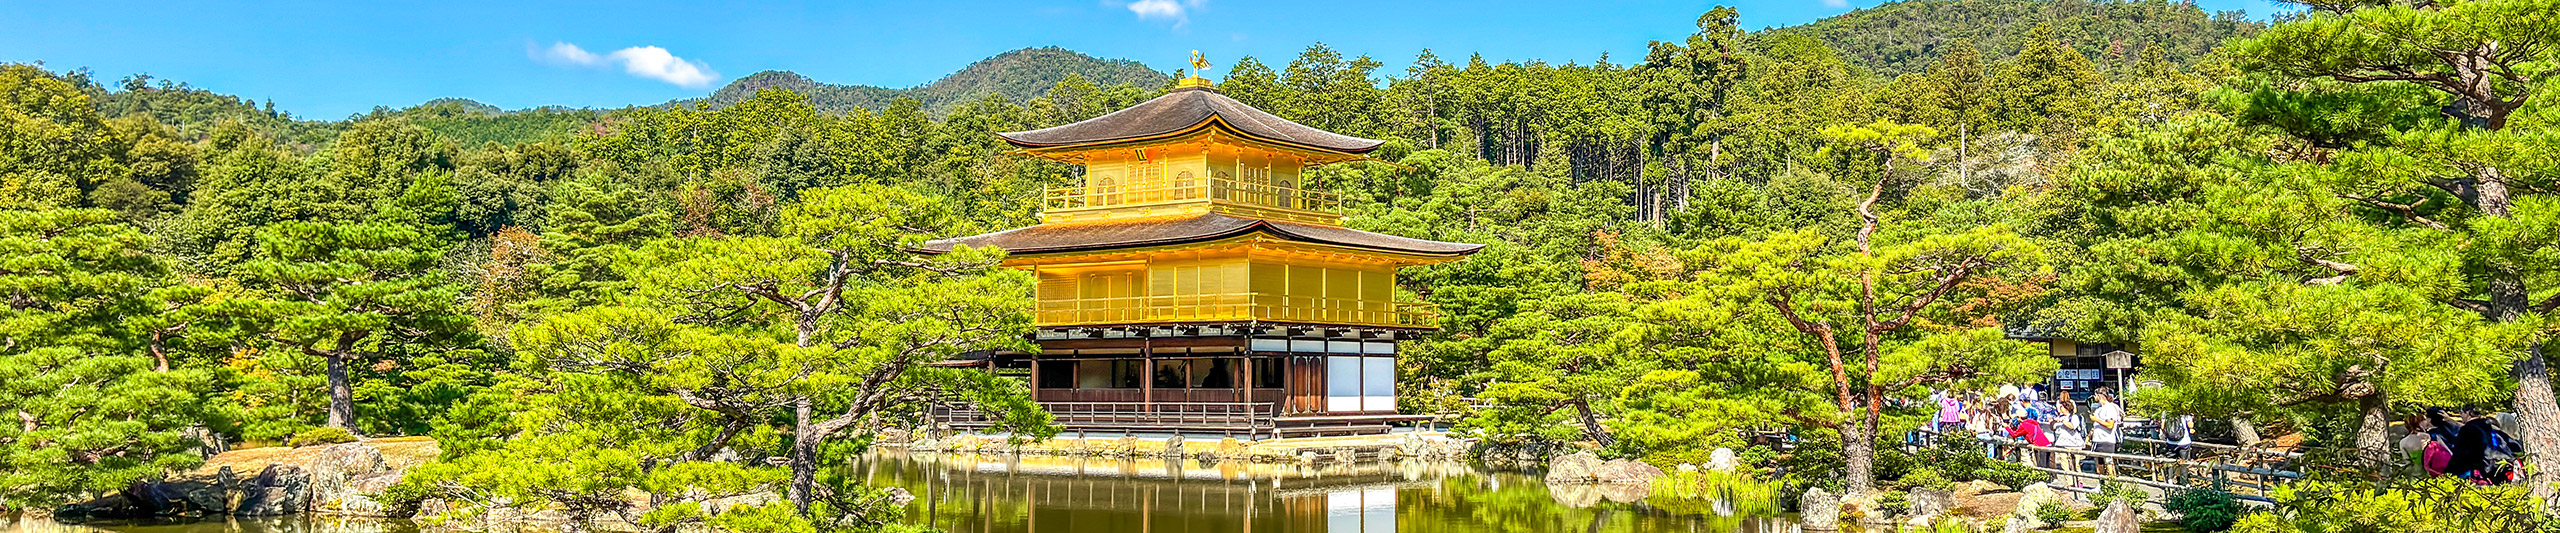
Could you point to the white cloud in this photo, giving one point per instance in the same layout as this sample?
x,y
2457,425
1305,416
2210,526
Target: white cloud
x,y
655,63
569,53
1147,9
644,61
1835,4
1179,11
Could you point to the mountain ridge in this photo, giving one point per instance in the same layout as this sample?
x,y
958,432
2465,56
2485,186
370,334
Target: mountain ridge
x,y
1019,75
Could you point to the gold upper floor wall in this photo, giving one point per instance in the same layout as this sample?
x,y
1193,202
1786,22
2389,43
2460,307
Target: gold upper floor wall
x,y
1203,172
1243,281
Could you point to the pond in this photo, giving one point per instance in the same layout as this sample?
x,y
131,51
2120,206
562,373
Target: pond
x,y
1026,494
968,493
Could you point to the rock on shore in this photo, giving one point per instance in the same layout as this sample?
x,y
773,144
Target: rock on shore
x,y
1583,467
338,479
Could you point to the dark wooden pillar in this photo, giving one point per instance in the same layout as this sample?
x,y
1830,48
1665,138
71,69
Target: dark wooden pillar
x,y
1147,374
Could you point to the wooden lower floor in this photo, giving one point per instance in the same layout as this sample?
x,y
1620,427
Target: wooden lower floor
x,y
1248,385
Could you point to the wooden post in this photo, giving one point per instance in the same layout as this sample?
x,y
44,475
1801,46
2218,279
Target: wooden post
x,y
1147,374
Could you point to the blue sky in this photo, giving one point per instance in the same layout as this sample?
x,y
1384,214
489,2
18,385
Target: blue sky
x,y
331,59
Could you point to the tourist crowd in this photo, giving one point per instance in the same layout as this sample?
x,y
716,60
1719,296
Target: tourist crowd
x,y
2468,444
2035,415
2465,443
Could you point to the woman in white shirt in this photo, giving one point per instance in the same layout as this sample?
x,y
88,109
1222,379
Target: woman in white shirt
x,y
2069,432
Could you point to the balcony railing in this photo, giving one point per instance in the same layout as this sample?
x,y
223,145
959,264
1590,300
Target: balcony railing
x,y
1236,307
1179,190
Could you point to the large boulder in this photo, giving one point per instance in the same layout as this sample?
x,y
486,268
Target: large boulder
x,y
334,475
2119,518
341,479
1723,460
280,489
1625,472
1929,502
2032,497
1577,467
1819,510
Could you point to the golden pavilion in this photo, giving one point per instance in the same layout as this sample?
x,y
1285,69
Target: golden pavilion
x,y
1190,284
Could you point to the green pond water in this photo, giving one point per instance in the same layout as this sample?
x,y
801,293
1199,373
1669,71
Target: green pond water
x,y
964,493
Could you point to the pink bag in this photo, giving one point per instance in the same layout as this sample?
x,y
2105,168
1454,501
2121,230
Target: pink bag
x,y
2436,457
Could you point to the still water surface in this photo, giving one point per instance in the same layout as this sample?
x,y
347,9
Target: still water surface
x,y
1008,494
967,493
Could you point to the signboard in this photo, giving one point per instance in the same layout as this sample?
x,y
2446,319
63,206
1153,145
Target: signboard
x,y
2080,373
2119,359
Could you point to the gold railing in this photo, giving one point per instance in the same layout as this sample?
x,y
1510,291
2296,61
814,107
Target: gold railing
x,y
1236,306
1181,190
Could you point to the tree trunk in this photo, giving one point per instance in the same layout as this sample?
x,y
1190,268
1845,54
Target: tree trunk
x,y
2539,415
1591,424
342,396
2536,408
804,456
2373,435
1858,447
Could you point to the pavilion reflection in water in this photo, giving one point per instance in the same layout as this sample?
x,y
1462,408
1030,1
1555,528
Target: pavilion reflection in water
x,y
968,492
964,493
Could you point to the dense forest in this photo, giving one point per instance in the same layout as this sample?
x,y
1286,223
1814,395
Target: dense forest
x,y
2317,225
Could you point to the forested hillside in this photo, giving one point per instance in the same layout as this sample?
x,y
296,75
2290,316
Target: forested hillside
x,y
1902,37
1018,75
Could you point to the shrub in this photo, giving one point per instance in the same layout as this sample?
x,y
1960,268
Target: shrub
x,y
2439,505
2012,475
2204,509
1757,456
2110,492
320,436
2263,523
1892,501
2054,513
1925,478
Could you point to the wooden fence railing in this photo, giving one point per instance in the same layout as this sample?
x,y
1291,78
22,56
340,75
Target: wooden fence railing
x,y
2246,472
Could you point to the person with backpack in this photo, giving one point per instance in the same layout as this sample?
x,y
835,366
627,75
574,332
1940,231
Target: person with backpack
x,y
2069,433
2180,431
2497,454
2470,447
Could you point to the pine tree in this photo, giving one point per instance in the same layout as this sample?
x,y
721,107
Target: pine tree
x,y
89,411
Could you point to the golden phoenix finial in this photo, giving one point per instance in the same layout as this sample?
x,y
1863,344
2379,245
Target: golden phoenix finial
x,y
1198,63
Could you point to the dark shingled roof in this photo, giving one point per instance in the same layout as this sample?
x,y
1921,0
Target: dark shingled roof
x,y
1049,238
1182,109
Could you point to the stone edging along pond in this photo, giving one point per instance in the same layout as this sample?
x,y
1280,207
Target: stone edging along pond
x,y
1300,450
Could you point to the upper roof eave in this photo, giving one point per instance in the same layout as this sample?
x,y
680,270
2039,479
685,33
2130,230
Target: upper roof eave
x,y
1184,109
